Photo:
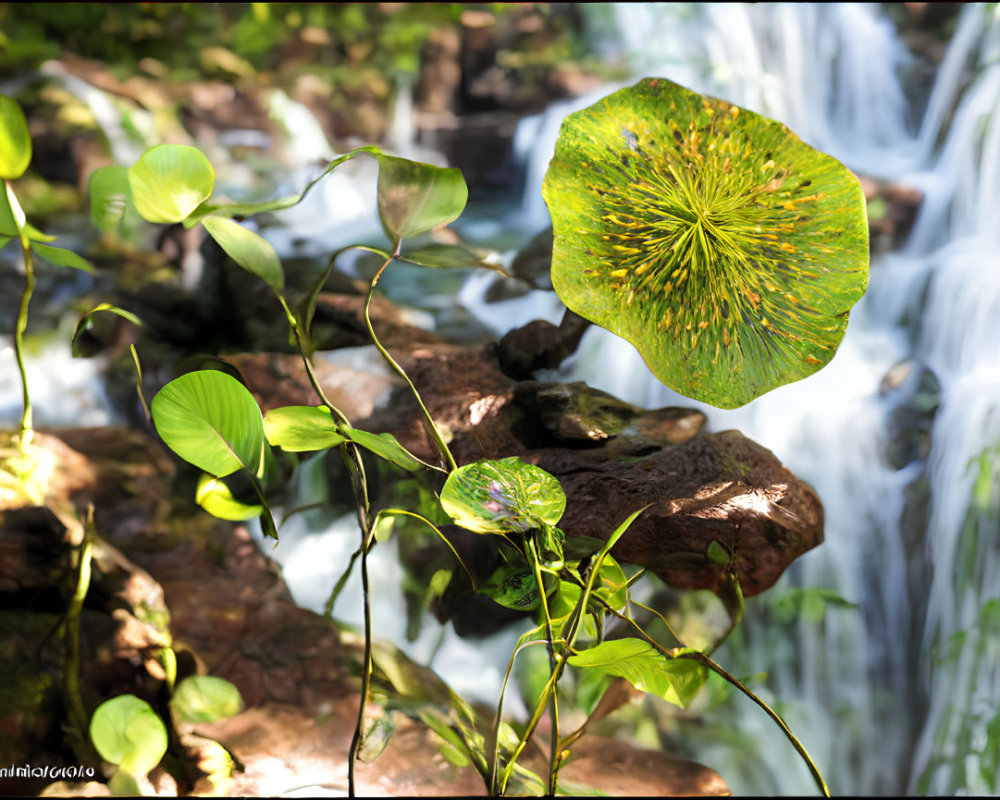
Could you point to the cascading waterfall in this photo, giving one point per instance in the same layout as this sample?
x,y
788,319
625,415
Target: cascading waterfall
x,y
875,694
900,695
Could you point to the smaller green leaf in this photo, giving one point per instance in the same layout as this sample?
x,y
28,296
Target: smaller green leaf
x,y
61,257
210,420
675,680
248,249
205,698
377,736
514,587
811,604
36,235
300,429
216,498
110,196
15,141
414,198
127,732
612,584
86,320
386,446
718,553
169,181
504,496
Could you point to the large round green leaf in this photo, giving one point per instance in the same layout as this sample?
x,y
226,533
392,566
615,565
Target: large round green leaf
x,y
728,251
170,181
15,141
126,731
504,496
210,420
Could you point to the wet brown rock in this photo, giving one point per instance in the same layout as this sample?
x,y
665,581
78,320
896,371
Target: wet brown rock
x,y
718,487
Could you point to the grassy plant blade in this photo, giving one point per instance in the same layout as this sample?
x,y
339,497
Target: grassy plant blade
x,y
87,318
61,257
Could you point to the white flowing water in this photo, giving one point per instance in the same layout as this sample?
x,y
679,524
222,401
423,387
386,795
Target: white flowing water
x,y
900,695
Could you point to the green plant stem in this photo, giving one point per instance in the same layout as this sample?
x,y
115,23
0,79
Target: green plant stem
x,y
71,648
554,700
20,326
717,668
432,429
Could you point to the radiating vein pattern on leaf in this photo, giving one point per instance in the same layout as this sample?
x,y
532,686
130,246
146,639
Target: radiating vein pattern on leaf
x,y
724,248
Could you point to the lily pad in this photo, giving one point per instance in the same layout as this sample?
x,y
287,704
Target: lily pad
x,y
717,242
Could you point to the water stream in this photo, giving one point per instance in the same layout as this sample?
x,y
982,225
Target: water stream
x,y
901,694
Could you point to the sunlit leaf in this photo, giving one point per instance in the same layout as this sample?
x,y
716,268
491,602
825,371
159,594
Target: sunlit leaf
x,y
205,698
126,731
414,197
12,219
504,496
300,429
210,420
15,141
61,257
248,249
713,239
646,668
215,497
169,181
110,196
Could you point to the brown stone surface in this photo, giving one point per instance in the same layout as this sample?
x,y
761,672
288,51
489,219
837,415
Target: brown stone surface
x,y
230,615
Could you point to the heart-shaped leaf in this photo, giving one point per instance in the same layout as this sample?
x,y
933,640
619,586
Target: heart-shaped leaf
x,y
505,496
169,181
248,249
15,141
676,680
126,731
210,420
724,248
414,197
205,698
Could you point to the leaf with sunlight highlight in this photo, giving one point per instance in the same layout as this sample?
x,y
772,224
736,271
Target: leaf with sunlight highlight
x,y
170,181
725,249
504,496
15,141
210,420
